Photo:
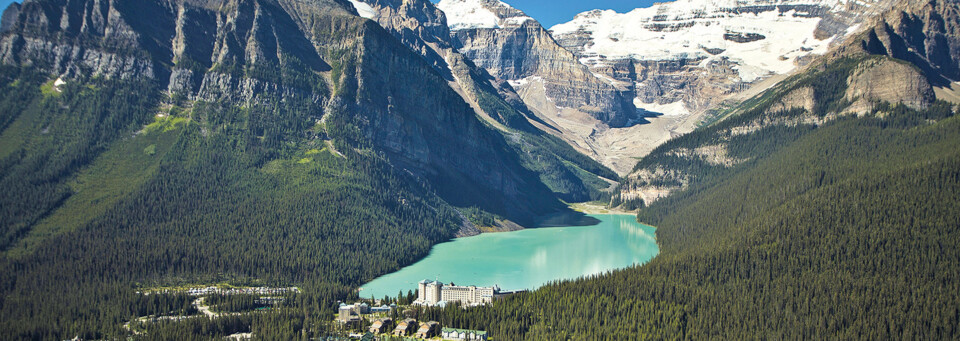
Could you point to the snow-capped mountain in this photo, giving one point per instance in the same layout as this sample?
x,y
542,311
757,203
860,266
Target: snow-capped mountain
x,y
761,42
567,97
679,59
678,51
470,14
907,56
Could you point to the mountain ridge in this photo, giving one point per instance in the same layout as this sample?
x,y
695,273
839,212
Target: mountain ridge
x,y
324,143
272,141
676,86
817,209
876,74
422,28
537,56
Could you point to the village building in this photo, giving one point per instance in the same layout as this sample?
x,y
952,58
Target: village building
x,y
463,334
405,327
383,308
381,326
347,314
432,293
428,330
351,312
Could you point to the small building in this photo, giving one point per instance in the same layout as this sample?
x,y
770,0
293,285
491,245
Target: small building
x,y
405,328
383,309
428,330
347,313
352,312
381,326
362,308
463,334
430,293
362,337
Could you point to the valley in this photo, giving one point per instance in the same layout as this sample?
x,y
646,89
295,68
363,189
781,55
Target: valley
x,y
280,169
676,62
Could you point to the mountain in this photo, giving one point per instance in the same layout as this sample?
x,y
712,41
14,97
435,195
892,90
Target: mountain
x,y
10,15
160,144
676,61
422,27
685,58
823,208
233,56
272,142
695,51
514,47
572,102
922,33
902,57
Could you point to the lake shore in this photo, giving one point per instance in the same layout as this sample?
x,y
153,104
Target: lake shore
x,y
596,208
530,258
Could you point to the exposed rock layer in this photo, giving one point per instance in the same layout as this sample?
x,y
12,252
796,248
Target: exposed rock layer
x,y
897,60
716,48
242,51
517,48
423,29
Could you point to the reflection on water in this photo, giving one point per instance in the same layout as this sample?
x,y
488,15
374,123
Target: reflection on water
x,y
638,237
530,258
567,218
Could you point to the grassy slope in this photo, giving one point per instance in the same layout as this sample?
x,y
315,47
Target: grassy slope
x,y
111,178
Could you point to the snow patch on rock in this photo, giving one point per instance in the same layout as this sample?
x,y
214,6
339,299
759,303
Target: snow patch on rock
x,y
467,14
763,40
364,9
669,109
476,14
58,83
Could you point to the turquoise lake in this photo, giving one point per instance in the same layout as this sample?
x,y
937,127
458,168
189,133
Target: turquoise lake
x,y
528,259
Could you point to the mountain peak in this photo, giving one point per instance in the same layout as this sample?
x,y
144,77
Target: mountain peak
x,y
471,14
762,37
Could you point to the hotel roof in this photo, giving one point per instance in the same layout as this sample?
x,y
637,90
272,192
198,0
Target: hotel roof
x,y
476,332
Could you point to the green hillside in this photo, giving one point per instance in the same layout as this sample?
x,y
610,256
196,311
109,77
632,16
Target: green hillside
x,y
154,145
312,160
843,230
183,197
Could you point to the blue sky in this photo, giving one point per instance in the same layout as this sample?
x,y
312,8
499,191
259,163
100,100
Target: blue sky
x,y
5,3
547,12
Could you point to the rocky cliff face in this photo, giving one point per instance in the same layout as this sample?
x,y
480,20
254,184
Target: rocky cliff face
x,y
924,33
675,61
514,47
899,59
790,108
418,24
249,52
890,81
422,27
687,58
191,46
709,47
